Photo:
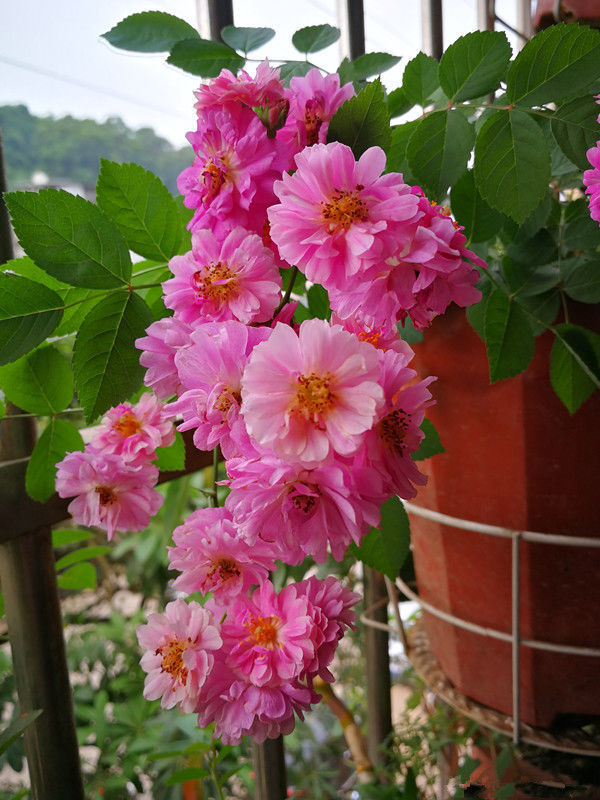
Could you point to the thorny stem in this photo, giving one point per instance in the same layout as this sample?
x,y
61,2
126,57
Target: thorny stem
x,y
288,292
149,269
27,414
213,762
536,111
212,496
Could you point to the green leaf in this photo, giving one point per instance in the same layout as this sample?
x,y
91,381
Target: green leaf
x,y
29,312
520,234
583,282
80,576
508,336
529,280
70,238
559,62
58,439
314,38
431,444
362,121
397,160
105,360
474,65
346,71
293,69
540,249
385,548
142,207
246,39
40,382
83,554
574,364
26,267
476,312
512,163
318,302
420,79
149,32
204,57
479,219
172,457
16,728
78,303
575,128
542,309
187,774
398,103
439,149
61,538
581,232
369,64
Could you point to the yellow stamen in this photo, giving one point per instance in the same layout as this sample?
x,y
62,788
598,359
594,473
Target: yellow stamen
x,y
344,209
127,424
263,631
217,282
313,395
172,661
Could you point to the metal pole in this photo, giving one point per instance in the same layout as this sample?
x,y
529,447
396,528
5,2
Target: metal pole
x,y
351,19
524,21
486,15
269,766
213,16
432,28
379,701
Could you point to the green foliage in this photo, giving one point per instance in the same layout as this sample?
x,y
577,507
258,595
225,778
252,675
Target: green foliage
x,y
78,577
398,102
386,548
16,728
474,65
362,121
29,312
172,457
204,57
293,69
420,79
105,361
314,38
431,444
439,149
480,220
142,207
40,382
575,128
70,238
58,439
512,163
369,64
582,281
508,336
246,39
559,62
149,32
318,302
397,159
574,364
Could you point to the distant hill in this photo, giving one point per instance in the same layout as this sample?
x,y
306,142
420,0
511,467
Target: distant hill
x,y
70,149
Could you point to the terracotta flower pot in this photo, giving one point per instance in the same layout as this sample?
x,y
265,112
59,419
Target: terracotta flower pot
x,y
515,458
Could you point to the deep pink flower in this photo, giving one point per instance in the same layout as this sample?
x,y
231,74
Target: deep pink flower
x,y
591,180
178,657
396,434
231,279
308,394
230,182
135,431
212,557
210,371
109,493
313,99
164,338
383,337
228,90
268,637
331,603
302,511
334,212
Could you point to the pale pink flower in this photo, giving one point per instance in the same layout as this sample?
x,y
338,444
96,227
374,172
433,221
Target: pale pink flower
x,y
210,371
230,182
314,99
218,280
384,336
178,657
334,212
212,557
308,394
302,511
396,434
135,431
331,603
591,180
164,339
109,493
268,637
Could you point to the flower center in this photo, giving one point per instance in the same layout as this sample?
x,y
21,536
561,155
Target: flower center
x,y
392,428
314,111
216,282
225,568
107,496
304,502
127,424
214,177
226,399
344,209
263,631
313,395
172,658
372,337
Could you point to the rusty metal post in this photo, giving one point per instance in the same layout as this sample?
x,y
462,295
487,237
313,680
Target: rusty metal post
x,y
28,581
379,701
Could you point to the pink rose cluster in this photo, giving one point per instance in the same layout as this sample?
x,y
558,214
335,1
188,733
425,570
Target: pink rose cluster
x,y
591,177
112,480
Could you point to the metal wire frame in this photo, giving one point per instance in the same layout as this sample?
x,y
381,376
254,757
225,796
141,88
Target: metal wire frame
x,y
516,536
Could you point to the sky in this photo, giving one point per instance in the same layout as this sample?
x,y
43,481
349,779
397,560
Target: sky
x,y
53,60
